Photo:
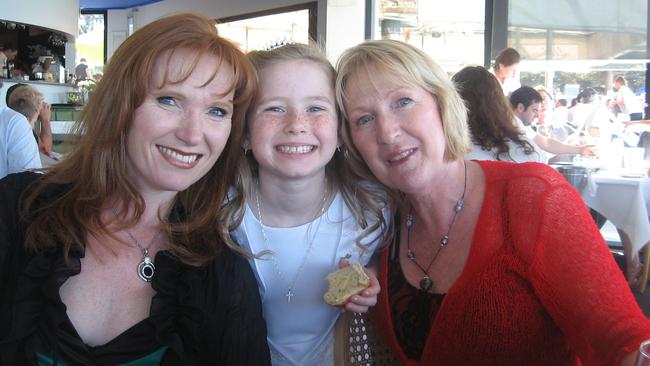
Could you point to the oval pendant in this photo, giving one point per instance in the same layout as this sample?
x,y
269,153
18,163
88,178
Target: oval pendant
x,y
425,283
146,269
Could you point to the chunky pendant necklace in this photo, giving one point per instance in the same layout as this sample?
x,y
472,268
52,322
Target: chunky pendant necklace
x,y
146,268
426,283
291,285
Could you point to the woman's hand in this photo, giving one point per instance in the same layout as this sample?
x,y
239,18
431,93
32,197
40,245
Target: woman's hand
x,y
364,299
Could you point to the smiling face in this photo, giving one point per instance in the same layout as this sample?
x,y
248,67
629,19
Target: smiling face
x,y
179,131
293,124
396,128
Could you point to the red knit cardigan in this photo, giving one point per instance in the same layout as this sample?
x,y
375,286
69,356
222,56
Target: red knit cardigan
x,y
539,287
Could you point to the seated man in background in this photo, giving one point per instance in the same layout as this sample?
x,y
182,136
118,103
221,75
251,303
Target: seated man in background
x,y
18,149
29,102
44,133
526,103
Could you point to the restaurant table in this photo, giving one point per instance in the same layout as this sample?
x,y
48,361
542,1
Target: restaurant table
x,y
624,199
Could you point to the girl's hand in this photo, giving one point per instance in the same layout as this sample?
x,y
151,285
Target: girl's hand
x,y
364,299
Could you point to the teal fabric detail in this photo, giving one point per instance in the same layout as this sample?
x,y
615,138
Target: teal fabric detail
x,y
152,359
44,360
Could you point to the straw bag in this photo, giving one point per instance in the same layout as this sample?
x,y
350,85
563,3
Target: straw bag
x,y
357,343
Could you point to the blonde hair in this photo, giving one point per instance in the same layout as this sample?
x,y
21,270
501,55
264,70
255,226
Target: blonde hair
x,y
364,201
96,170
27,101
410,66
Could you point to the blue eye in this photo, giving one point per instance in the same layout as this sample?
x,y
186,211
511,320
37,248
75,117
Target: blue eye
x,y
274,109
217,112
404,102
365,119
315,108
166,100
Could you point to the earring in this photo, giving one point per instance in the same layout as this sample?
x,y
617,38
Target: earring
x,y
338,148
246,147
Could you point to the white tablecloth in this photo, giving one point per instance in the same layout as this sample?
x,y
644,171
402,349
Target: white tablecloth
x,y
624,201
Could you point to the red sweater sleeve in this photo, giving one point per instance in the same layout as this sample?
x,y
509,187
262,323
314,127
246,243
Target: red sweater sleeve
x,y
577,279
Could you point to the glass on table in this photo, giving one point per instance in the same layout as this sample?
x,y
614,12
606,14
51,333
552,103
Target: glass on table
x,y
643,359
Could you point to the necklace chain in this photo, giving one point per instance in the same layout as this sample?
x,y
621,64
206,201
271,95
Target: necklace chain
x,y
291,285
144,250
426,283
146,268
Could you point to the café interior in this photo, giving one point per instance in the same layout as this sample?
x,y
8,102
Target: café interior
x,y
566,46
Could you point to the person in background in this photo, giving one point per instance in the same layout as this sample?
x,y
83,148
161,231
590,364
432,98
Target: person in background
x,y
627,102
562,111
493,263
98,77
525,103
29,102
18,149
304,209
491,123
27,97
550,123
590,117
120,253
505,69
82,71
7,53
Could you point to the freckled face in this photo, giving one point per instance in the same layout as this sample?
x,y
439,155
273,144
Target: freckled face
x,y
293,127
396,128
180,130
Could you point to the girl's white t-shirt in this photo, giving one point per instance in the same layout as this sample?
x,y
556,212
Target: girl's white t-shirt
x,y
300,331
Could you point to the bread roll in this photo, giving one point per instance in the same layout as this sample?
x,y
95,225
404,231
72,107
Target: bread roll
x,y
344,283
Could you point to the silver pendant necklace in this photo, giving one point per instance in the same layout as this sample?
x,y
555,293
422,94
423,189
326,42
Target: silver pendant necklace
x,y
426,283
291,285
146,269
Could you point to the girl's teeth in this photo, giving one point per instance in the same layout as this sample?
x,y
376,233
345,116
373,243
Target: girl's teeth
x,y
295,149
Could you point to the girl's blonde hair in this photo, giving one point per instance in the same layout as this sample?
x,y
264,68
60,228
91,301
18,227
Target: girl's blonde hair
x,y
365,201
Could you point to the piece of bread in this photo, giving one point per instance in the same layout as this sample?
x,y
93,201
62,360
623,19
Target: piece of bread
x,y
345,282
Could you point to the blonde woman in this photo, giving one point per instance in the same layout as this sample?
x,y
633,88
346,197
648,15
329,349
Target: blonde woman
x,y
484,268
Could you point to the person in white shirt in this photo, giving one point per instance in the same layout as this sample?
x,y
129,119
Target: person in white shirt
x,y
18,148
626,101
505,69
491,122
29,102
304,208
525,103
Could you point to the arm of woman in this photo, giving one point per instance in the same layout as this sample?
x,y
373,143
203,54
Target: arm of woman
x,y
576,277
244,335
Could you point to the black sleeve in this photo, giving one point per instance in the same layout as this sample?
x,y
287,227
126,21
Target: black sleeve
x,y
12,256
242,327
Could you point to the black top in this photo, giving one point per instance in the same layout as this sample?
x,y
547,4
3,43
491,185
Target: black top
x,y
208,315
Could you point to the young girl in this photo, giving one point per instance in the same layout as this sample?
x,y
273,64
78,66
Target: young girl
x,y
305,210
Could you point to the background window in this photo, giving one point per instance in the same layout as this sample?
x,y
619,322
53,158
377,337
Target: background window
x,y
568,45
452,33
264,30
91,42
